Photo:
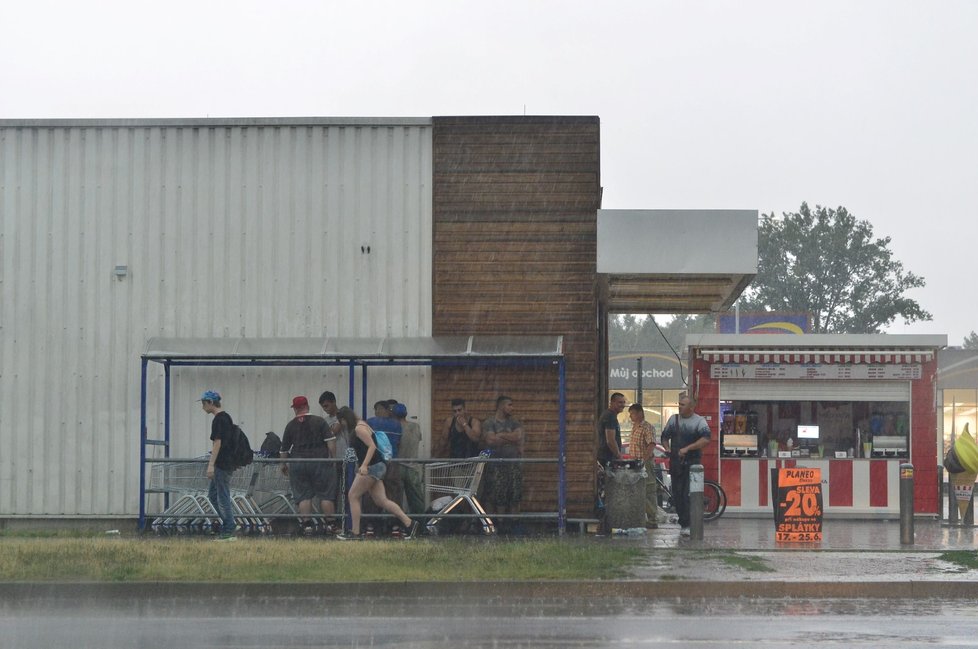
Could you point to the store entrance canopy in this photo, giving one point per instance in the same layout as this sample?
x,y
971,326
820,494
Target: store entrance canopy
x,y
675,261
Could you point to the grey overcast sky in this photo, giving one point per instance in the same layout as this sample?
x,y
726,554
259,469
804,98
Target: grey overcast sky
x,y
872,105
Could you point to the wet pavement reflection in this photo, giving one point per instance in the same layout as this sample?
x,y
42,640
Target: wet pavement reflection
x,y
434,622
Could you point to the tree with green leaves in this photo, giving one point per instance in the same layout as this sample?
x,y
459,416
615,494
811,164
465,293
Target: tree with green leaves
x,y
826,262
971,340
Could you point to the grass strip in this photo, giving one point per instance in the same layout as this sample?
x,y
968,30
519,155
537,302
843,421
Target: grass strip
x,y
745,562
308,560
965,558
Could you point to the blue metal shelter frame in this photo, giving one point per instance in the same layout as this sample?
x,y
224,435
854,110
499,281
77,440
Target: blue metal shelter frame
x,y
353,353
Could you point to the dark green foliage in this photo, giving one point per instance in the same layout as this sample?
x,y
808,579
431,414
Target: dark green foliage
x,y
827,262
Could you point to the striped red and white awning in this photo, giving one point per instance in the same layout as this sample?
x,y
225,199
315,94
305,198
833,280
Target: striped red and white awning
x,y
820,357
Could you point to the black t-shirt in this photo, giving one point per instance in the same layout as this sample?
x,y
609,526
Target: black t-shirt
x,y
608,420
459,444
306,437
222,428
360,448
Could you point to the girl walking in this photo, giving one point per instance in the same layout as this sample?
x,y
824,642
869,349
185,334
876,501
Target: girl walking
x,y
370,476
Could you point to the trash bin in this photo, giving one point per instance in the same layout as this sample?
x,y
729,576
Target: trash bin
x,y
625,494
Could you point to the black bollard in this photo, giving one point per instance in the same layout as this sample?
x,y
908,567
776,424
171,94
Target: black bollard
x,y
906,504
696,502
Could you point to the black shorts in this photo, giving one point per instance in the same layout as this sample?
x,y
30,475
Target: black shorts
x,y
311,480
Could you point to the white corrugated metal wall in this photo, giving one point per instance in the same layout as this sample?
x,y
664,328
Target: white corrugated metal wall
x,y
256,228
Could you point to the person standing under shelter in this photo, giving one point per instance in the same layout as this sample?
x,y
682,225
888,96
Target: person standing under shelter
x,y
220,467
609,430
309,437
464,433
608,449
327,401
684,436
503,435
642,445
410,472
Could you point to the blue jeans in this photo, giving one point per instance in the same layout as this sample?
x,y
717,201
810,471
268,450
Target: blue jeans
x,y
219,494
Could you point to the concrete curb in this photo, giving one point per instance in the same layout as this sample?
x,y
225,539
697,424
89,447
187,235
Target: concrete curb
x,y
115,595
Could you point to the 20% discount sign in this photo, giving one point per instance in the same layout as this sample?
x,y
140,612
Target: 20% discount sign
x,y
798,506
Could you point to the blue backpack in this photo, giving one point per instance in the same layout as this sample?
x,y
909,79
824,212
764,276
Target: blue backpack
x,y
383,444
391,429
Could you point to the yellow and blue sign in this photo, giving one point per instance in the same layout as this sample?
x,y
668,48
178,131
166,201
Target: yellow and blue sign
x,y
765,323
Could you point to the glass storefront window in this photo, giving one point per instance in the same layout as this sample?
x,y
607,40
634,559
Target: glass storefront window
x,y
858,429
960,408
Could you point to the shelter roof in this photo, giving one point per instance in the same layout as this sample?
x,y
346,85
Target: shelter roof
x,y
340,348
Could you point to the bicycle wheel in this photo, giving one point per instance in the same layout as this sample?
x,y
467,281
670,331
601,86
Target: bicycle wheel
x,y
664,496
714,501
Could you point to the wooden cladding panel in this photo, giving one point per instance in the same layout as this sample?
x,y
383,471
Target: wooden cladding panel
x,y
515,228
535,401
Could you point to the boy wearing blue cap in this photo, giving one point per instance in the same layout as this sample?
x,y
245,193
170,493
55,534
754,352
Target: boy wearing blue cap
x,y
219,469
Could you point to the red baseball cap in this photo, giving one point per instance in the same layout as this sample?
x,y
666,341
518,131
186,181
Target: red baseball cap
x,y
300,402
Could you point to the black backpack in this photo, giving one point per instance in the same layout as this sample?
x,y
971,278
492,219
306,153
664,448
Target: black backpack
x,y
241,453
272,445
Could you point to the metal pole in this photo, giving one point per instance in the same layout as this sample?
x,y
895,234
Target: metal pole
x,y
696,502
906,504
353,385
166,420
349,473
363,391
142,445
638,386
562,448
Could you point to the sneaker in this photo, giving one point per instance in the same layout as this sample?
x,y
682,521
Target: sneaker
x,y
308,529
370,531
413,532
349,536
397,532
684,531
330,530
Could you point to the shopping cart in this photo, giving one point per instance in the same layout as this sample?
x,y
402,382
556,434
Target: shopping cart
x,y
190,510
185,483
271,493
459,480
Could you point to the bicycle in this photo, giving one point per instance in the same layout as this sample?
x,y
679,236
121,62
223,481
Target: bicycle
x,y
714,497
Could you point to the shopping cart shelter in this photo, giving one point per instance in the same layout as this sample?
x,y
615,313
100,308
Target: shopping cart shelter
x,y
348,237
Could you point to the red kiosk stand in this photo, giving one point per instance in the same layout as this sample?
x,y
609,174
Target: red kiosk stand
x,y
853,406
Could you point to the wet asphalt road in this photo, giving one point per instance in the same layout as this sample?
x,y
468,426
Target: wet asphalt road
x,y
544,623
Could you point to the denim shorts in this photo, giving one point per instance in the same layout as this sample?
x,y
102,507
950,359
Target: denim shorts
x,y
377,471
